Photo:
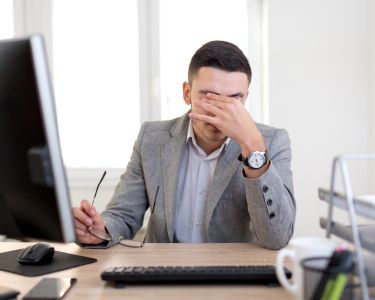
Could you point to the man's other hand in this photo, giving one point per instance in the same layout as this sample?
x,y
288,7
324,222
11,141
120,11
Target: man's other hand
x,y
86,217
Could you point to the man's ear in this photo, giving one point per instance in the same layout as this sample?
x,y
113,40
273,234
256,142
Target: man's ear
x,y
186,92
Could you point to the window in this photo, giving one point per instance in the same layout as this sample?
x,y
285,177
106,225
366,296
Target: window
x,y
95,68
6,19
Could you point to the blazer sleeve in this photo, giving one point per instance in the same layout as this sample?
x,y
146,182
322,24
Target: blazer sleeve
x,y
125,212
270,198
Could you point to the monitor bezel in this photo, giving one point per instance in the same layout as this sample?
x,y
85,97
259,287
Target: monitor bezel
x,y
48,111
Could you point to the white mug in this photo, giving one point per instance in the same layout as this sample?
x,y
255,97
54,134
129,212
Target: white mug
x,y
299,249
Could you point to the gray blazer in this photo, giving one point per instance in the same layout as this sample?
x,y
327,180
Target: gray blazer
x,y
260,211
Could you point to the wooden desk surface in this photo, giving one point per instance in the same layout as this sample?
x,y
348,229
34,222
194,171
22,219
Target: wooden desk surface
x,y
90,286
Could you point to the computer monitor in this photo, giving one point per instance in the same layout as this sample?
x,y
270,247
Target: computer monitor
x,y
34,195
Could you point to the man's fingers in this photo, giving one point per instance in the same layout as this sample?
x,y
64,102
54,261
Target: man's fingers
x,y
204,118
84,236
87,216
81,233
219,104
88,208
209,107
220,98
98,220
79,225
82,216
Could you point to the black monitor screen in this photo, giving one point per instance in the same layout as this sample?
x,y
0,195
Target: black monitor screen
x,y
34,197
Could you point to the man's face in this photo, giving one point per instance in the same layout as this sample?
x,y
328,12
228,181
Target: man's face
x,y
216,81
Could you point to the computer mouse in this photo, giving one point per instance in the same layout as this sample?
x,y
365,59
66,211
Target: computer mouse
x,y
37,254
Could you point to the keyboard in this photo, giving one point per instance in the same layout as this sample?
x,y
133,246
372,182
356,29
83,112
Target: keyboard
x,y
193,274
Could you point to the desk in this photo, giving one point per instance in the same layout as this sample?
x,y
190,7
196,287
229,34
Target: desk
x,y
90,286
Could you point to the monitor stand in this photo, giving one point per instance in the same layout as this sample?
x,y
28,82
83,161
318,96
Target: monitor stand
x,y
61,261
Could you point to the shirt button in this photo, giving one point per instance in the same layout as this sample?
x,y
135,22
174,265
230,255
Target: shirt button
x,y
265,189
272,215
269,202
199,223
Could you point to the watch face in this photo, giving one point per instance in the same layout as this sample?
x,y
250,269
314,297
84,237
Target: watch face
x,y
257,160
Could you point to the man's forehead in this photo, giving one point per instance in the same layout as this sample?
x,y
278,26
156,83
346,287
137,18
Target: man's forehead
x,y
210,80
202,71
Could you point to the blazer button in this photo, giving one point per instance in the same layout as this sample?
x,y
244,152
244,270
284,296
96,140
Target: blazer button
x,y
272,215
265,189
269,202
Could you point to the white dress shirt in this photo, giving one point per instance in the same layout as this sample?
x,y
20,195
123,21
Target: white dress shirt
x,y
194,182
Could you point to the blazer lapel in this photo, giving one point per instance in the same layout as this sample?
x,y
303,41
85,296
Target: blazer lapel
x,y
171,154
225,169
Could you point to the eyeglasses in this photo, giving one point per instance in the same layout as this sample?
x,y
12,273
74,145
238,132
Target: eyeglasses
x,y
105,236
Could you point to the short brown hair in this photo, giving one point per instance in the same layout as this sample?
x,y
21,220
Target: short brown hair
x,y
221,55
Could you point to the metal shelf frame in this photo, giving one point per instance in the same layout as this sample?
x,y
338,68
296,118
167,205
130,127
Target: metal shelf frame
x,y
341,162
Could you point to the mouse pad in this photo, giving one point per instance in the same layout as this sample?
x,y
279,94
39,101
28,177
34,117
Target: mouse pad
x,y
61,261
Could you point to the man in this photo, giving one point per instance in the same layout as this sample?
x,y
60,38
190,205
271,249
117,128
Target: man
x,y
212,175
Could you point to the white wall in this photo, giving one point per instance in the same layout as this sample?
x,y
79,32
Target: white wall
x,y
372,85
319,91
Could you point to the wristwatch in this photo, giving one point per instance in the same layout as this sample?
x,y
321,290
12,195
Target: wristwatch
x,y
255,160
